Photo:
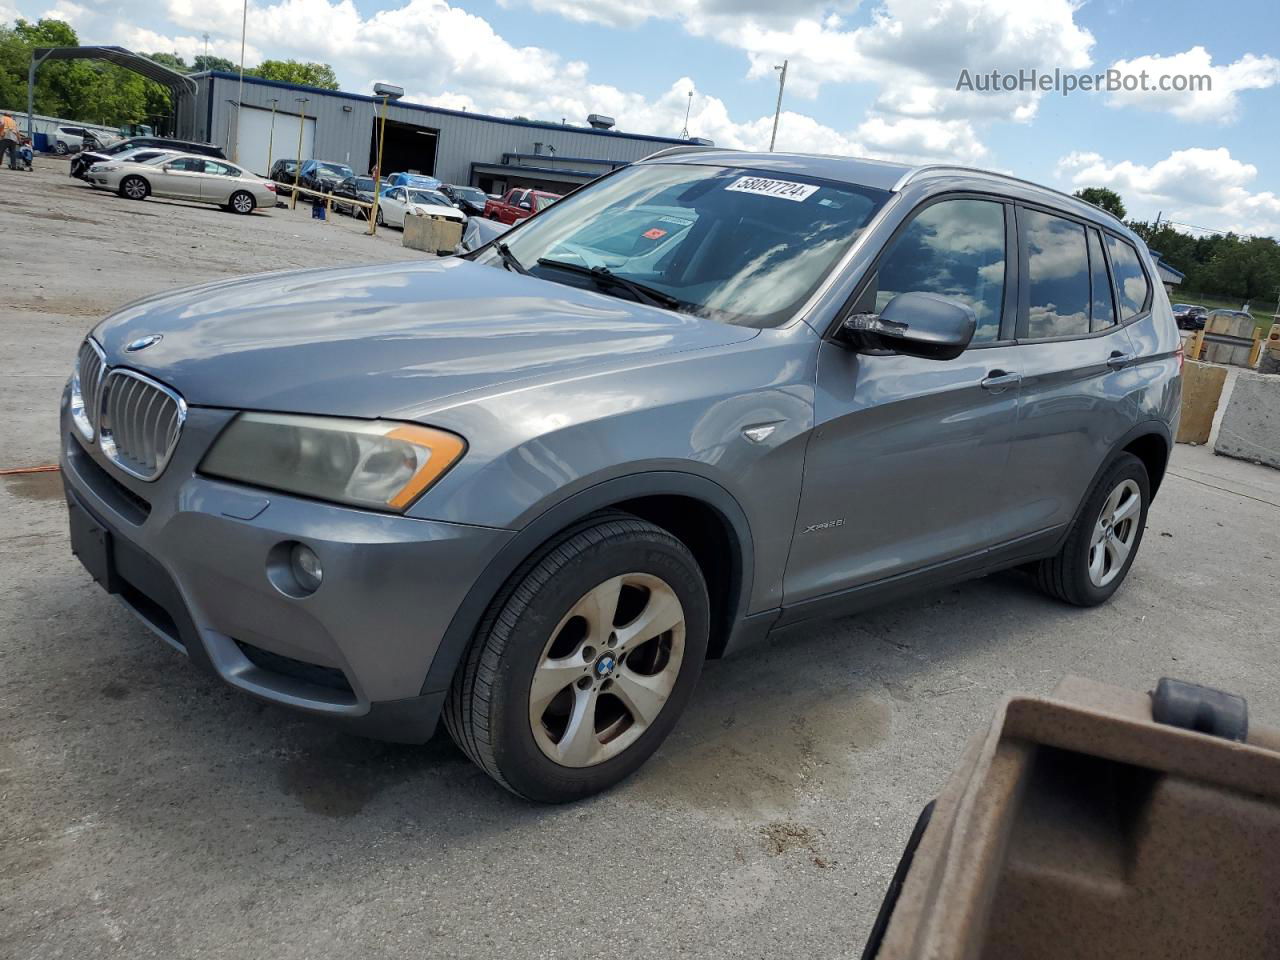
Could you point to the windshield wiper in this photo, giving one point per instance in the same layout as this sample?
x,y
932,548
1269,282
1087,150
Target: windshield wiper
x,y
607,278
508,258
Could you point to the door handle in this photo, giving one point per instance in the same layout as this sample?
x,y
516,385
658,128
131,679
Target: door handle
x,y
1118,360
998,381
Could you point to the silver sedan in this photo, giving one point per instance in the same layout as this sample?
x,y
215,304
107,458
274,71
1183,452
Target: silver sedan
x,y
186,177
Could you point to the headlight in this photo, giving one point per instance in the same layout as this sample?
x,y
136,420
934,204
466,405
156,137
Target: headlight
x,y
379,464
104,167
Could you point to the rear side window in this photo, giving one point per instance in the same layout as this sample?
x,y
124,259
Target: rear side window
x,y
1057,274
1104,309
1131,279
954,248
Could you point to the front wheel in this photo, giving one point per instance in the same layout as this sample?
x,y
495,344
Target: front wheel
x,y
134,188
242,202
382,221
584,662
1104,540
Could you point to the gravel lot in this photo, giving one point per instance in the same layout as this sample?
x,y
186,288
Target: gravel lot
x,y
148,812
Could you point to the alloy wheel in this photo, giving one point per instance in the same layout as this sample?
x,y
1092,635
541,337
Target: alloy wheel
x,y
607,670
242,202
1114,533
135,189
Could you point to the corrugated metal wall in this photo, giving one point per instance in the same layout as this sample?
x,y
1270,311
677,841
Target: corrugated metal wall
x,y
346,136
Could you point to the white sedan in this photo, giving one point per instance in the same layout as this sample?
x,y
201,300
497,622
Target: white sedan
x,y
186,177
395,203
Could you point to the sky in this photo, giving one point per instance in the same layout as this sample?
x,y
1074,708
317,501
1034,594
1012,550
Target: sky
x,y
864,78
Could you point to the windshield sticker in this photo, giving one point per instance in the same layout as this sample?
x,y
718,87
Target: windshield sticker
x,y
676,220
657,233
782,189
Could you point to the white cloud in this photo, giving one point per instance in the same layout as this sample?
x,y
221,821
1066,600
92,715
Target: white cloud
x,y
1205,187
1220,103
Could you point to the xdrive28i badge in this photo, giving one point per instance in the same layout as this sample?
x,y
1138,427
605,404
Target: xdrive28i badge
x,y
143,342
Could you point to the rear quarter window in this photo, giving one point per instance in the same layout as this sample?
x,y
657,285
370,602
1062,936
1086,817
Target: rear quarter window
x,y
1131,280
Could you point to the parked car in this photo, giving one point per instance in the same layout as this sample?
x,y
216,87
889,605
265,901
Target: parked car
x,y
81,163
516,204
1189,316
532,494
396,203
187,177
283,171
137,155
68,139
354,188
470,200
323,175
413,180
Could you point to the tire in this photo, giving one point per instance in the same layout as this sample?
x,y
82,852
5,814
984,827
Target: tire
x,y
242,202
382,221
135,188
59,148
541,634
1088,569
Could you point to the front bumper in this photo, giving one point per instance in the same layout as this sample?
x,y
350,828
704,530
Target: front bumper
x,y
191,555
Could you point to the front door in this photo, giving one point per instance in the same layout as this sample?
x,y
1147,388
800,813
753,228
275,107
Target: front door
x,y
906,464
179,178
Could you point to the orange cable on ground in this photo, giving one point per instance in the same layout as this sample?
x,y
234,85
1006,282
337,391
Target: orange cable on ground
x,y
15,471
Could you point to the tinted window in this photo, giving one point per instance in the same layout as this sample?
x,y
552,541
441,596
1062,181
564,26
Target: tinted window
x,y
1058,275
955,249
1131,281
189,164
1104,310
221,169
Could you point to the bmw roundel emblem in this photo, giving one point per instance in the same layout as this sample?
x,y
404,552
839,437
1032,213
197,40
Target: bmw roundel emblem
x,y
143,342
605,665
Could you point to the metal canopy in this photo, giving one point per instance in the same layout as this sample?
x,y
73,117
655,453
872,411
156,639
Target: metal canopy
x,y
177,82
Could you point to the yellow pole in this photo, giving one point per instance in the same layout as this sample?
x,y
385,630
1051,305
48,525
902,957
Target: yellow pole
x,y
271,137
244,23
302,120
377,171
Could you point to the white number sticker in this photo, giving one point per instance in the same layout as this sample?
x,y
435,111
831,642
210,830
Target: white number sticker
x,y
782,189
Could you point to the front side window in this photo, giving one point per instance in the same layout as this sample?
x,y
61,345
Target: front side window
x,y
734,244
188,165
955,249
1057,275
1131,279
1104,310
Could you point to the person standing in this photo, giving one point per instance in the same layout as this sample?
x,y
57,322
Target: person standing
x,y
9,140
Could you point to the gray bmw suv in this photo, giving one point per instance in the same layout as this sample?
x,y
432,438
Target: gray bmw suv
x,y
532,489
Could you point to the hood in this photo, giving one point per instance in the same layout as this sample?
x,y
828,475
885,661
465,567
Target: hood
x,y
387,340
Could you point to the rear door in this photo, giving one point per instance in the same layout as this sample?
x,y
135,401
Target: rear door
x,y
219,181
906,464
1076,358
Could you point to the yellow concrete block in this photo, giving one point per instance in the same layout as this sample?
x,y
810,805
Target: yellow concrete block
x,y
1201,391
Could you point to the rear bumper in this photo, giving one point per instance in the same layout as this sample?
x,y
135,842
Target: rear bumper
x,y
191,557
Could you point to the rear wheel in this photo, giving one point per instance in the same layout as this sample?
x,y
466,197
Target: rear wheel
x,y
382,221
59,148
134,188
584,662
242,202
1104,541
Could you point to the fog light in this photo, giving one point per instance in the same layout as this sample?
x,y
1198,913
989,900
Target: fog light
x,y
306,567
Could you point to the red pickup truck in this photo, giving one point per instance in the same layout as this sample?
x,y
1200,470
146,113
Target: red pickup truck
x,y
518,203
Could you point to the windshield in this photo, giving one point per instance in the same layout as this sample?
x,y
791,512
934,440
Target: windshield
x,y
335,169
427,196
365,184
734,244
473,194
541,203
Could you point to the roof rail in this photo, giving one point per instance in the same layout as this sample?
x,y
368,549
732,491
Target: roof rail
x,y
932,168
683,148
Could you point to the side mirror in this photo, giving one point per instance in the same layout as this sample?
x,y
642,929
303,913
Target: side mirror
x,y
526,205
917,325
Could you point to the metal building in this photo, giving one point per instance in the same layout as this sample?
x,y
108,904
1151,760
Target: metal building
x,y
492,153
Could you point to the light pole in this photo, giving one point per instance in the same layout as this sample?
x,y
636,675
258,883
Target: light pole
x,y
684,134
387,91
244,22
271,137
297,170
777,111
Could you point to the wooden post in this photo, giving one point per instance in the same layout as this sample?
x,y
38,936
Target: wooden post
x,y
1256,350
1197,345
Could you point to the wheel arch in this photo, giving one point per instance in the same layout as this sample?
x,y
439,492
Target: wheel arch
x,y
696,510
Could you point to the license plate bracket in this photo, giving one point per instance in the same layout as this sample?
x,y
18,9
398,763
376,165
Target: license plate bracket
x,y
91,543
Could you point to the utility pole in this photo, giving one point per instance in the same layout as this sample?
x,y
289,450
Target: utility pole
x,y
206,48
271,137
777,112
388,92
244,23
302,122
684,134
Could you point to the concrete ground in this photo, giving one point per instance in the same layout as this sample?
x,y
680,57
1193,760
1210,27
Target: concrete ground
x,y
149,812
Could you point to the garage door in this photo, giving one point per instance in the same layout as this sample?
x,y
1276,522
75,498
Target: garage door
x,y
259,147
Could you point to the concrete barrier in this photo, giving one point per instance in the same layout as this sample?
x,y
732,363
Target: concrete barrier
x,y
431,234
1201,391
1270,359
1224,352
1251,425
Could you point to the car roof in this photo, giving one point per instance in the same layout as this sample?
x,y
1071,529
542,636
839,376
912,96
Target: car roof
x,y
887,175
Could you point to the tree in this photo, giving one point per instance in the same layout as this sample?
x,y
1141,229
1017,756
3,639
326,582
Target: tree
x,y
1103,197
211,62
293,71
171,60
